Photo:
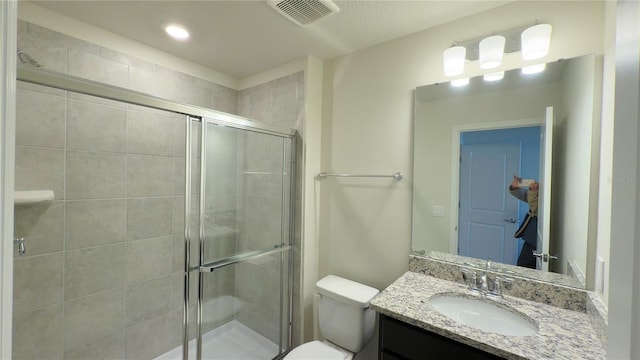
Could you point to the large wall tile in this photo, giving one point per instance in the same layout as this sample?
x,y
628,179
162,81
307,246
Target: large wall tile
x,y
92,270
147,300
109,348
44,46
40,169
23,85
39,119
96,127
150,133
180,137
96,100
37,282
148,259
94,175
94,67
149,175
37,335
149,217
225,99
93,318
149,82
125,59
42,227
149,339
95,222
188,89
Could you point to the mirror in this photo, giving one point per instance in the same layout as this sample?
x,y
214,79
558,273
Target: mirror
x,y
463,122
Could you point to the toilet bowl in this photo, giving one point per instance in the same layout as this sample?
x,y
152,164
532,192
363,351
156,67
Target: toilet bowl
x,y
319,350
344,318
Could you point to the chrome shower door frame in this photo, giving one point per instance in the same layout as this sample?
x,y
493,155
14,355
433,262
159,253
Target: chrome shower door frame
x,y
286,255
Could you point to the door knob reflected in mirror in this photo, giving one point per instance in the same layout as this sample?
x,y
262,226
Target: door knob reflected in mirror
x,y
544,257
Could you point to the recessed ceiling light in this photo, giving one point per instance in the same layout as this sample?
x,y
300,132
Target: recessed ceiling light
x,y
177,32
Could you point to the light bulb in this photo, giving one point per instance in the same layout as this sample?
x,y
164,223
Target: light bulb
x,y
491,51
453,59
535,41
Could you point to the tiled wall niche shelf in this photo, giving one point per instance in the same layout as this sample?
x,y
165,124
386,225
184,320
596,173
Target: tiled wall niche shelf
x,y
32,197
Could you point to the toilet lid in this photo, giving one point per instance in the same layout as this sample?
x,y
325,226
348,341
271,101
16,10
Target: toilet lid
x,y
315,350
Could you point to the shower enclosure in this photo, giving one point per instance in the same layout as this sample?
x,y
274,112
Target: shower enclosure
x,y
172,217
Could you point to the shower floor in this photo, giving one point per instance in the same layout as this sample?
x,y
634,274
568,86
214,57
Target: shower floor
x,y
231,341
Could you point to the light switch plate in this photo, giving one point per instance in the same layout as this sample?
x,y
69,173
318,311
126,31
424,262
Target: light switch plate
x,y
437,211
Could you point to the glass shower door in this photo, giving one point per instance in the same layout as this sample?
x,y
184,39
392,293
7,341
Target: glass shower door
x,y
244,279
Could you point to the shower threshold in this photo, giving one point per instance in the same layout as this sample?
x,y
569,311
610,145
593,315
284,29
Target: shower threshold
x,y
230,341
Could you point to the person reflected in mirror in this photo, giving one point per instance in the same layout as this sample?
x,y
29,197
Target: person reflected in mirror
x,y
527,191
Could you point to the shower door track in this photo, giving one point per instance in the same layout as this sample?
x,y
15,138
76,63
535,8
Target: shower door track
x,y
88,87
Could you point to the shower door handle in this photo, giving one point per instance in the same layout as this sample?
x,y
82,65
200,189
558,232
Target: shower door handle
x,y
510,221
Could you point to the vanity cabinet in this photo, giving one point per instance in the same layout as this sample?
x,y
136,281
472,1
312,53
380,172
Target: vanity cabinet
x,y
401,341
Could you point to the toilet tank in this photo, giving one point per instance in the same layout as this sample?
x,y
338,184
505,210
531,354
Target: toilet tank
x,y
344,316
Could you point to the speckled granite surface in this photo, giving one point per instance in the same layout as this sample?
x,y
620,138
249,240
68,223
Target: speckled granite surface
x,y
573,337
556,293
597,312
542,276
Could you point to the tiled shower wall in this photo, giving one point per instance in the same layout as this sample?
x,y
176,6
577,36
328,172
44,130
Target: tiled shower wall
x,y
103,271
102,274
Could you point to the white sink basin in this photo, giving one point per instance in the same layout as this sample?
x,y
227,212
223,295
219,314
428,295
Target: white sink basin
x,y
483,314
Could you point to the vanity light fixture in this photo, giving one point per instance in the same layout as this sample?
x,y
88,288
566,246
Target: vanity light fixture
x,y
460,82
494,76
533,69
453,59
177,32
491,50
535,41
532,41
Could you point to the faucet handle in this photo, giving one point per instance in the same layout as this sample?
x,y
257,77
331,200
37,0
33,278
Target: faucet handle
x,y
469,277
507,283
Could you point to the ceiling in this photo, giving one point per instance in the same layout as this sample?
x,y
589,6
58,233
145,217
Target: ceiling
x,y
242,38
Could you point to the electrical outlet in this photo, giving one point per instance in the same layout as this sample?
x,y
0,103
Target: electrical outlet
x,y
437,211
600,274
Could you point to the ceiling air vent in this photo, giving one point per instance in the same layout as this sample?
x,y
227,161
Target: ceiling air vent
x,y
304,12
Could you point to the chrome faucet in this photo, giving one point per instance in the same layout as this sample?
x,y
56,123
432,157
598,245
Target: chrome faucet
x,y
483,284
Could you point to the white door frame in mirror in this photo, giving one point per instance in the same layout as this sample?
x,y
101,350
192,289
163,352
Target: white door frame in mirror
x,y
455,168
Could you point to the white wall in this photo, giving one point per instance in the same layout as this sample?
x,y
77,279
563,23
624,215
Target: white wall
x,y
572,171
365,224
624,296
606,147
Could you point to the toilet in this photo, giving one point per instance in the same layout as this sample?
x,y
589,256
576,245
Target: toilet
x,y
344,318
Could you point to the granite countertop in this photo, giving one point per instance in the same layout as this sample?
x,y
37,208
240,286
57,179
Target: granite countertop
x,y
562,334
